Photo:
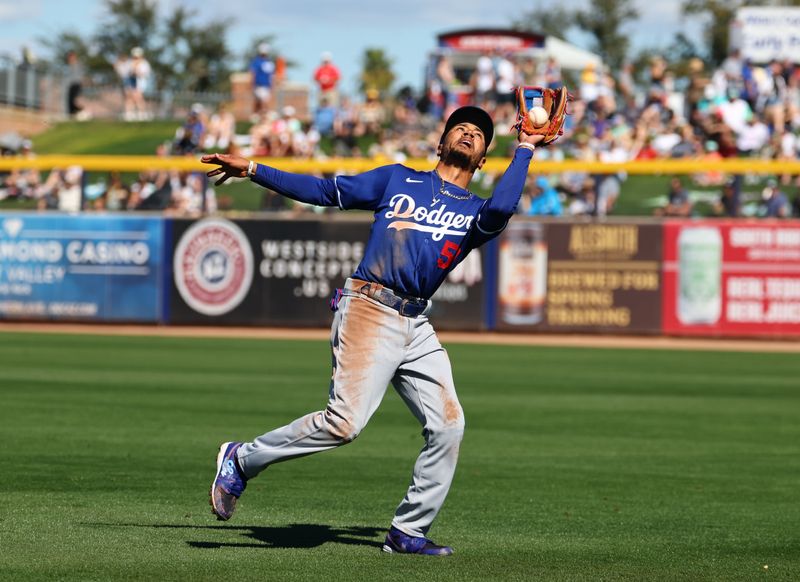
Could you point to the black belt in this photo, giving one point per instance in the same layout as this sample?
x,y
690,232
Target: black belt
x,y
405,305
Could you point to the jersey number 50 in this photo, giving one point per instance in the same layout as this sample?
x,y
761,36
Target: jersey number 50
x,y
450,251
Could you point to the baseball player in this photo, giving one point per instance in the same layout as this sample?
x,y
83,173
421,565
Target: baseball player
x,y
425,224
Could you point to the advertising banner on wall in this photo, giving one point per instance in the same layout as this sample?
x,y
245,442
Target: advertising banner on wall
x,y
732,278
282,272
261,272
592,277
103,268
766,33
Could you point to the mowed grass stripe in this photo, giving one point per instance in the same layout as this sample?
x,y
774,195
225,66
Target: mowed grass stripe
x,y
577,464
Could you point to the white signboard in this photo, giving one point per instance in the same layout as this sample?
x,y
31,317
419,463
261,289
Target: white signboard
x,y
764,34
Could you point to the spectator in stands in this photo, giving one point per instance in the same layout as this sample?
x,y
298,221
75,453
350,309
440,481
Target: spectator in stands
x,y
221,129
482,82
62,190
122,66
21,182
347,128
327,76
325,117
262,70
775,203
140,74
507,80
552,74
116,194
688,145
698,81
678,202
74,79
260,133
729,202
583,201
445,76
753,137
372,114
189,137
735,111
190,195
732,71
541,199
151,191
589,86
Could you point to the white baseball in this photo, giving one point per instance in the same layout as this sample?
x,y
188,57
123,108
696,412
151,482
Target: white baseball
x,y
538,116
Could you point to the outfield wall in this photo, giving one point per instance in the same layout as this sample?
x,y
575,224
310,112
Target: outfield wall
x,y
734,278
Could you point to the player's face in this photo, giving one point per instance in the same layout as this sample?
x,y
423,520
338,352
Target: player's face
x,y
464,146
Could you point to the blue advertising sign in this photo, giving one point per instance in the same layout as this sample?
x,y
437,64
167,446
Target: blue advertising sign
x,y
99,268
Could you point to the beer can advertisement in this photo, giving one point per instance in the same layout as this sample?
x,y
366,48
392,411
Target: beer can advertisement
x,y
593,277
732,278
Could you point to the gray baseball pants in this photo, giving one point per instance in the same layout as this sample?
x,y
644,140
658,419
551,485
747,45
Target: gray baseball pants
x,y
373,345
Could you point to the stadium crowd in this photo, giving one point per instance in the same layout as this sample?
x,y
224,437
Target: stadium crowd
x,y
735,110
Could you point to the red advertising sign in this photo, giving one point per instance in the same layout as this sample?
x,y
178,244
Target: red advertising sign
x,y
732,278
480,40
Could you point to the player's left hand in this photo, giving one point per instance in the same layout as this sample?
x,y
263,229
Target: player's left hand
x,y
229,166
533,139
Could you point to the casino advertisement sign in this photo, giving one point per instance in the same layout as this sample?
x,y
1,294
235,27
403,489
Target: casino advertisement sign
x,y
732,277
592,277
96,268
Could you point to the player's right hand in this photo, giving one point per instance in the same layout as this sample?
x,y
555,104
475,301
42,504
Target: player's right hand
x,y
229,166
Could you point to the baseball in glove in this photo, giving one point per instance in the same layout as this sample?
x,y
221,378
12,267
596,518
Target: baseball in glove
x,y
542,111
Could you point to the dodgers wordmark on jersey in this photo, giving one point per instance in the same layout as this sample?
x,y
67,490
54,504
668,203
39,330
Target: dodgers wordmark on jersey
x,y
423,225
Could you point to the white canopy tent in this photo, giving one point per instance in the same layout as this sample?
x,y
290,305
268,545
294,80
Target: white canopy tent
x,y
570,56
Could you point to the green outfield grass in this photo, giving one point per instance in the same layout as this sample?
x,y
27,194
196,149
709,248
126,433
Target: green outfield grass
x,y
577,464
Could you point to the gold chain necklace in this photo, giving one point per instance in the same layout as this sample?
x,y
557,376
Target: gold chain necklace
x,y
444,192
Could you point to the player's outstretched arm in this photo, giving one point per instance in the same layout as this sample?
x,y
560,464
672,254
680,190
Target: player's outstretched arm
x,y
505,197
308,189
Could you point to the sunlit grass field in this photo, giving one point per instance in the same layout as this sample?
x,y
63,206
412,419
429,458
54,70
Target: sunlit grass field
x,y
577,464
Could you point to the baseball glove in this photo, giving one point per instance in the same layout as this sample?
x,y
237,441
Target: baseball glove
x,y
553,101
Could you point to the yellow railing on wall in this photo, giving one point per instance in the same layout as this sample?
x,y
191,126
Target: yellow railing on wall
x,y
351,165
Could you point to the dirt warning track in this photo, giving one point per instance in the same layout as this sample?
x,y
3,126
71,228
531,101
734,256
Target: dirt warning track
x,y
558,340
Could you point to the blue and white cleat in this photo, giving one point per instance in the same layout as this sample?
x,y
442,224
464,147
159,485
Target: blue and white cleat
x,y
228,483
399,543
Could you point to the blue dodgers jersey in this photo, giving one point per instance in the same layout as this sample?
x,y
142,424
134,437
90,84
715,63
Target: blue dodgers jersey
x,y
418,235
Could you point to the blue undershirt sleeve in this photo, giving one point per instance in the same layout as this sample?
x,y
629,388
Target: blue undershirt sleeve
x,y
300,187
362,191
503,204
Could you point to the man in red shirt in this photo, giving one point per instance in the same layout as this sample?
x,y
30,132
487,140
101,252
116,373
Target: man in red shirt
x,y
327,77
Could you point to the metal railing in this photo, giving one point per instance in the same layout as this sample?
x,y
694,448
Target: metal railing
x,y
38,89
21,85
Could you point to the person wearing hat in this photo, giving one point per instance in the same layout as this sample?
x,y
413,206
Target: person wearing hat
x,y
775,204
729,202
262,70
425,224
